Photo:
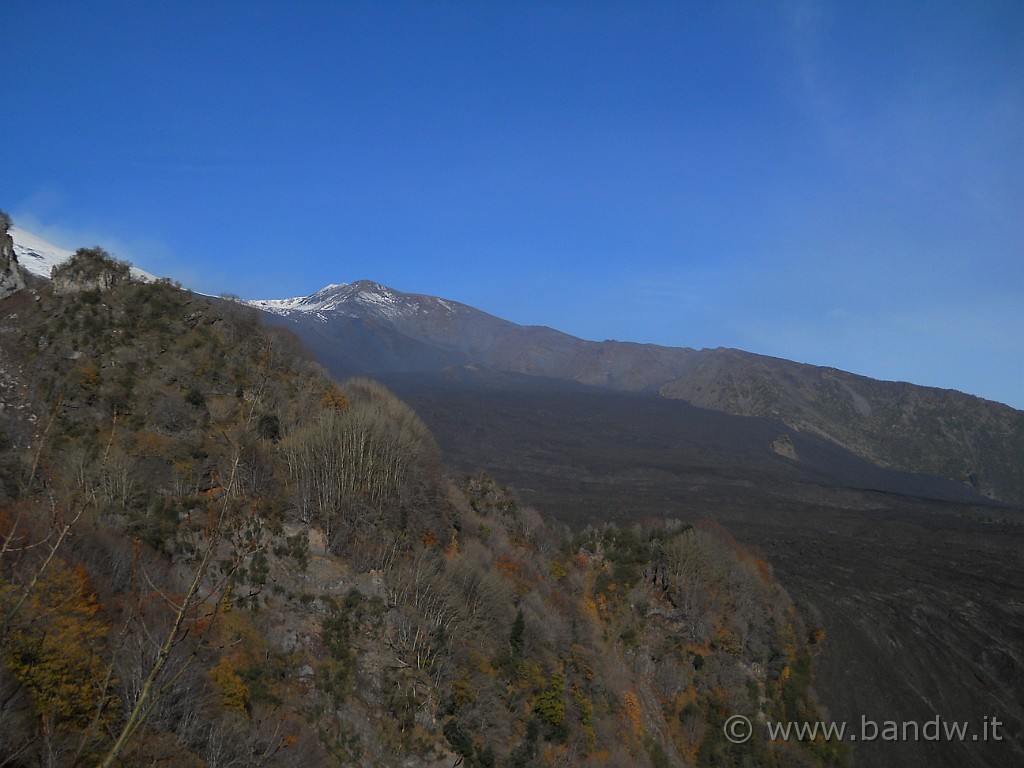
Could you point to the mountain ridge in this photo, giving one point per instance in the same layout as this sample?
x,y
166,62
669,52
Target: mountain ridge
x,y
898,425
367,328
879,561
320,302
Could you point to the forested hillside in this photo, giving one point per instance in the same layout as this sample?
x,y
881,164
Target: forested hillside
x,y
211,554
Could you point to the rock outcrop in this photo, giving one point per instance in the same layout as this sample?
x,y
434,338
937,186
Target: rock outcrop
x,y
783,445
90,269
11,277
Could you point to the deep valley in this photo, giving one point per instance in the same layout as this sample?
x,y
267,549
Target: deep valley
x,y
915,580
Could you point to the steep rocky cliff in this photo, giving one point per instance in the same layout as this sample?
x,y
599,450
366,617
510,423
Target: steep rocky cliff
x,y
11,277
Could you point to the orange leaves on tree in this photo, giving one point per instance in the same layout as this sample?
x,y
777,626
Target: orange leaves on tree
x,y
763,570
632,716
89,375
234,694
333,400
463,692
452,550
508,566
244,652
8,528
589,608
54,643
554,755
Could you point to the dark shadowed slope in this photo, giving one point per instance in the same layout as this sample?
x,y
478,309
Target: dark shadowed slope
x,y
916,581
367,328
921,429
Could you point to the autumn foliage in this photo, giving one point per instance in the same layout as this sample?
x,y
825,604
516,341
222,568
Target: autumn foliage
x,y
213,555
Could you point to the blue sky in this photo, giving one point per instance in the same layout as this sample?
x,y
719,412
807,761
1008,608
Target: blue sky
x,y
835,183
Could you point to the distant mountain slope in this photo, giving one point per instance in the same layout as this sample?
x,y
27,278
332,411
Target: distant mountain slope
x,y
895,424
368,328
446,332
546,435
424,318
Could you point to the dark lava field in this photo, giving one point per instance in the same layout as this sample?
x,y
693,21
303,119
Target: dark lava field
x,y
915,580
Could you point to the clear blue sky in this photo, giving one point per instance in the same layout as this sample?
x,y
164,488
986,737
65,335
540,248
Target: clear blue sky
x,y
837,183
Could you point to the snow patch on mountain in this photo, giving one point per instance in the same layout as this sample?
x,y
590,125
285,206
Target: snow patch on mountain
x,y
355,300
38,257
35,255
330,299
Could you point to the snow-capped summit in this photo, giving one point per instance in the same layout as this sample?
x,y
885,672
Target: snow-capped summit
x,y
355,300
38,257
380,328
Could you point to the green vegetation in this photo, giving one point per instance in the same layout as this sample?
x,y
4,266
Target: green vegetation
x,y
212,554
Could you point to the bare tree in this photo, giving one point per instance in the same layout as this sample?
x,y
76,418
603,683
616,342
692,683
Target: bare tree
x,y
227,535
